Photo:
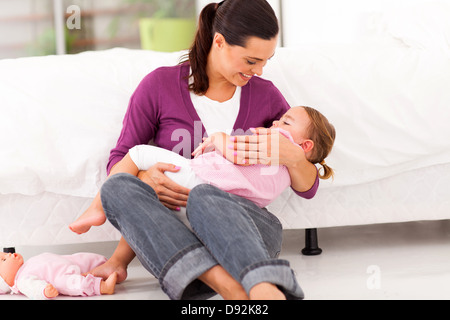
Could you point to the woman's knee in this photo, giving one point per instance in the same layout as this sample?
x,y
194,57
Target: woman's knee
x,y
111,190
201,202
119,189
202,193
115,183
203,196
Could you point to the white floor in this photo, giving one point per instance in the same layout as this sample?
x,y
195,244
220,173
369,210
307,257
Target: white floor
x,y
389,261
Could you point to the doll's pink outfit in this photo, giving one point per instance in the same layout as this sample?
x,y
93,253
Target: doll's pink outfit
x,y
62,271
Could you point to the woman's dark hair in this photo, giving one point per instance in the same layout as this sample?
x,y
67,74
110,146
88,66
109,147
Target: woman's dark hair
x,y
236,20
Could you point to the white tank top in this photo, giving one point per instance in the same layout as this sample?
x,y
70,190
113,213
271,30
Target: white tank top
x,y
217,116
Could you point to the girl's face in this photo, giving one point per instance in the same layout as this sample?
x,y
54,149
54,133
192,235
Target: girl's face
x,y
239,64
296,121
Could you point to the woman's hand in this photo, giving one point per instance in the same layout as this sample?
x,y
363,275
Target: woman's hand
x,y
171,194
268,147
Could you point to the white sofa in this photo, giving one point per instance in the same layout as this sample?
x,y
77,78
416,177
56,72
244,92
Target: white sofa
x,y
390,104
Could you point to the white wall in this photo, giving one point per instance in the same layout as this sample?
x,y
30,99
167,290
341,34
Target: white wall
x,y
329,21
334,21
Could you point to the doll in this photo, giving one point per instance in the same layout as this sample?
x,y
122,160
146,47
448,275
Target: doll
x,y
47,275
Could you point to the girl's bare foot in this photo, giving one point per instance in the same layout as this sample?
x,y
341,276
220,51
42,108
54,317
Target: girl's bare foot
x,y
91,217
105,270
107,286
266,291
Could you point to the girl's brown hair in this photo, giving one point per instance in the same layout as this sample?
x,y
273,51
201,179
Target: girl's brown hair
x,y
323,134
236,20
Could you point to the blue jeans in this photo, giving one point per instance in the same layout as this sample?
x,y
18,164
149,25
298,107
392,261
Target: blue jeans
x,y
229,230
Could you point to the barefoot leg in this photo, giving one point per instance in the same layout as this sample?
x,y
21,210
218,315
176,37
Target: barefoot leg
x,y
118,263
223,283
266,291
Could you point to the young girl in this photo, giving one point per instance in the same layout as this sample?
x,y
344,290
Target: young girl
x,y
303,126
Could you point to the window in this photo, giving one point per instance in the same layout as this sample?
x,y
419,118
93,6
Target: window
x,y
36,27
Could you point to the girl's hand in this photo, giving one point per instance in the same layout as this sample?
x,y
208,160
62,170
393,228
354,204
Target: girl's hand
x,y
206,146
171,194
216,142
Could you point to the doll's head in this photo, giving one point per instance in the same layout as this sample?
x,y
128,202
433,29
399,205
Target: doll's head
x,y
10,263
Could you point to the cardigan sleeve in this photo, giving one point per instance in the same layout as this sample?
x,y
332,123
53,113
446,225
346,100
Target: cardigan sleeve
x,y
141,119
311,192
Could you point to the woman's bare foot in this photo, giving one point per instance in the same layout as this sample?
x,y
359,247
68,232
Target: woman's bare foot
x,y
105,270
223,283
266,291
91,217
108,286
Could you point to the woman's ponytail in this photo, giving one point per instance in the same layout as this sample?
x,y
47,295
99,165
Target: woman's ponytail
x,y
198,54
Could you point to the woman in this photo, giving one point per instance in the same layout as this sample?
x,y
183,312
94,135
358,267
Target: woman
x,y
234,244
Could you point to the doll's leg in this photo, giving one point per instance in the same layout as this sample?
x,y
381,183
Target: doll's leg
x,y
78,285
109,285
86,261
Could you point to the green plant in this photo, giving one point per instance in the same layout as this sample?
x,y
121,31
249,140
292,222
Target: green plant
x,y
45,44
155,9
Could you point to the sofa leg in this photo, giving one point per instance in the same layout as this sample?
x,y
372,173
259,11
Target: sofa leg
x,y
311,243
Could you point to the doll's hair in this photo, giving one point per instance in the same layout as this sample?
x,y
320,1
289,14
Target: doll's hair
x,y
236,20
323,134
